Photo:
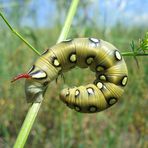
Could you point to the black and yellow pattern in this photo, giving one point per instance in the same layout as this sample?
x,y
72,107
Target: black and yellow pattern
x,y
100,56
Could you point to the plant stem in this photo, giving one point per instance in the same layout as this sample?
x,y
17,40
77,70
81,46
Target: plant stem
x,y
32,113
68,21
26,127
18,35
134,54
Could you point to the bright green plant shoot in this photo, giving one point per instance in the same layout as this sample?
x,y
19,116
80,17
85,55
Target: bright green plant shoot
x,y
17,34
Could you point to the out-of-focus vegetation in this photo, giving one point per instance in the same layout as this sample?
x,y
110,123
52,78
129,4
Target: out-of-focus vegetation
x,y
123,125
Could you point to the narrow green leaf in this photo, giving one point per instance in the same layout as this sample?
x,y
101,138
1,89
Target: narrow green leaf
x,y
68,21
18,35
26,127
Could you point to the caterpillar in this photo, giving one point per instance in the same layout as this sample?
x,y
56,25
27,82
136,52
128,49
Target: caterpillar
x,y
100,56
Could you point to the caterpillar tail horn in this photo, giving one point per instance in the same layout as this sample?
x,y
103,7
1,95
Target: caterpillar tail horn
x,y
20,76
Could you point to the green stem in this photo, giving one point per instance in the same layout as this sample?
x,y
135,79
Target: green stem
x,y
68,21
32,113
134,54
18,35
26,127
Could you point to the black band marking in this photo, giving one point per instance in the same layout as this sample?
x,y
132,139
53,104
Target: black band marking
x,y
44,52
31,69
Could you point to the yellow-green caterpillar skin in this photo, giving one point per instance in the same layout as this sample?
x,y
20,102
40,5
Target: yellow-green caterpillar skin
x,y
100,56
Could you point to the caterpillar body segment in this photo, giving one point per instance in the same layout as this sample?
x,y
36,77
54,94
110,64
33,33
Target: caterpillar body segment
x,y
100,56
86,99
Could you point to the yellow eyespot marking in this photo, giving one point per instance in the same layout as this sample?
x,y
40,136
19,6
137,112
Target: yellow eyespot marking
x,y
92,109
89,60
102,77
118,55
99,68
99,85
73,58
112,101
56,62
124,81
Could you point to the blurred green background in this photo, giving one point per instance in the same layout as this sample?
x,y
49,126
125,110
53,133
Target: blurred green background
x,y
40,22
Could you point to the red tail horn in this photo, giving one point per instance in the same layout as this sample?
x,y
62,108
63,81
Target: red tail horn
x,y
20,76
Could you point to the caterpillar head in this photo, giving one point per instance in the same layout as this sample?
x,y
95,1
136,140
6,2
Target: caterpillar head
x,y
34,90
35,86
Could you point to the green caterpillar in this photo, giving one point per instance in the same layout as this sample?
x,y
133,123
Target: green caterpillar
x,y
100,56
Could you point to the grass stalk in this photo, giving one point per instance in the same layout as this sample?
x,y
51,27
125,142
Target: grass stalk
x,y
71,13
32,113
133,54
27,124
18,35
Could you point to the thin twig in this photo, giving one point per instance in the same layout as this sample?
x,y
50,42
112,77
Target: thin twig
x,y
68,21
18,35
134,54
27,125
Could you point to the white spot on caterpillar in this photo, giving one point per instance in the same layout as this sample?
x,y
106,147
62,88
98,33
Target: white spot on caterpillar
x,y
99,85
118,55
94,41
67,93
73,57
56,62
124,81
77,92
39,74
90,91
67,40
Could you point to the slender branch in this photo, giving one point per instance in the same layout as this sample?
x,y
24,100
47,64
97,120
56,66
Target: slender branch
x,y
32,113
26,127
134,54
68,21
18,35
140,50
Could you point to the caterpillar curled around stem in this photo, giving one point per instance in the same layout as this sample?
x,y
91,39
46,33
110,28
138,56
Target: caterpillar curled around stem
x,y
100,56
